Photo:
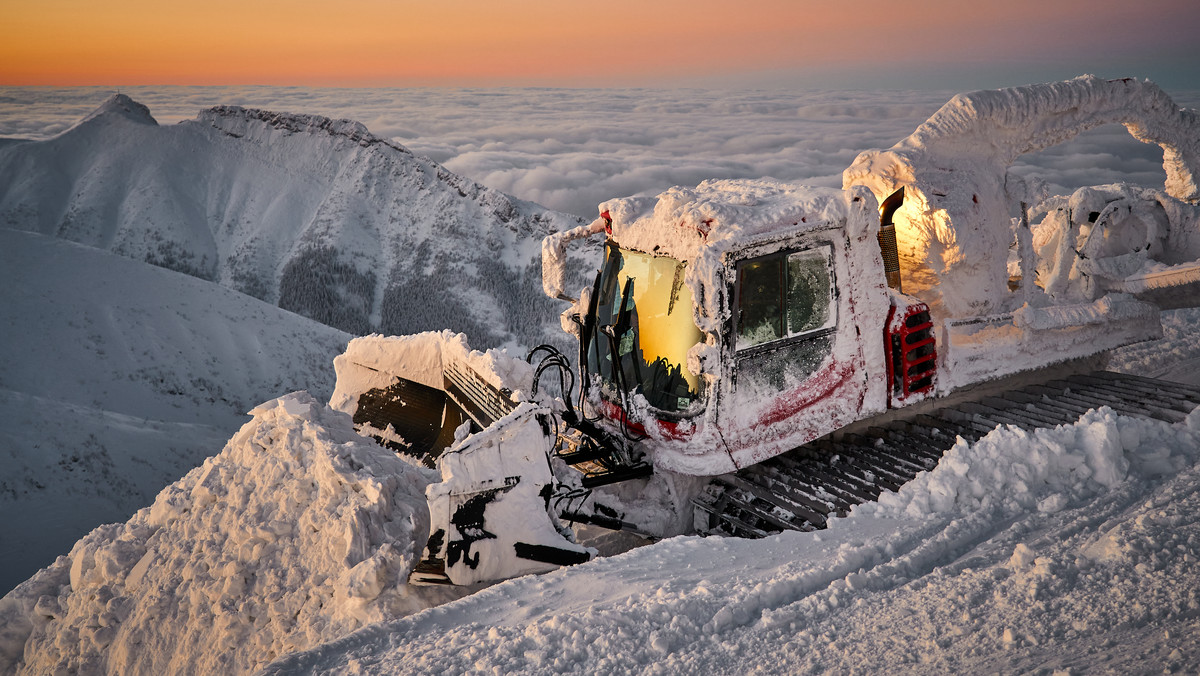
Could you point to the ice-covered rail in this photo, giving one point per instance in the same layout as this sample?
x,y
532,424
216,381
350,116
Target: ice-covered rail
x,y
801,489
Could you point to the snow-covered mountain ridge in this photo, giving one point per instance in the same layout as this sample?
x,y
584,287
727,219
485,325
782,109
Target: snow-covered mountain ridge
x,y
227,117
315,215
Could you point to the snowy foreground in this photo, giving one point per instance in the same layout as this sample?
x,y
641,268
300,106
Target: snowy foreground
x,y
298,532
1072,548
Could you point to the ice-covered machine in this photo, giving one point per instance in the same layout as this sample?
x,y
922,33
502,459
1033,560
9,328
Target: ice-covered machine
x,y
756,355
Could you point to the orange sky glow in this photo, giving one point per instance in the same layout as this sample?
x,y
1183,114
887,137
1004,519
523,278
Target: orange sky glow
x,y
559,42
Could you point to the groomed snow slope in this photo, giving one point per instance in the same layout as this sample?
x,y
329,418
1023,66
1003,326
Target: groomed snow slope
x,y
1068,549
118,377
316,215
298,532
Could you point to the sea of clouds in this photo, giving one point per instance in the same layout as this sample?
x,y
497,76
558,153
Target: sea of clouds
x,y
570,149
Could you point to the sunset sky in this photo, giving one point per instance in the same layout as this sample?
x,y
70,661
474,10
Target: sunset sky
x,y
611,43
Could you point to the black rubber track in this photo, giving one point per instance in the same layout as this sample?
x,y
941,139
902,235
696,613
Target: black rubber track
x,y
799,490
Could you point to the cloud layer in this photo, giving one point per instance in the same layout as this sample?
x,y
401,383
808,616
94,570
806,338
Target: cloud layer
x,y
570,149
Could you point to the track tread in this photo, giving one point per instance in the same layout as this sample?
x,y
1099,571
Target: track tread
x,y
801,489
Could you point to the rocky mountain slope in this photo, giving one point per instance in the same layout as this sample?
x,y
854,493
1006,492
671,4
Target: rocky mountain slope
x,y
315,215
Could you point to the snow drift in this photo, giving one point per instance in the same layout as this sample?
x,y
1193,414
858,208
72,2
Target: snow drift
x,y
298,532
316,215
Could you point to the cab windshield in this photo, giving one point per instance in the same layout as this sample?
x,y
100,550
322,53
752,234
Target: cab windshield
x,y
647,308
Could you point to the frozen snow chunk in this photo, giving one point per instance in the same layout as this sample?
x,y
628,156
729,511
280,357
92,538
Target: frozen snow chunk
x,y
1022,558
1102,442
1052,504
138,572
298,404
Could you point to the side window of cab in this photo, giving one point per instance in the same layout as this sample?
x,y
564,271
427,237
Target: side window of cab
x,y
786,314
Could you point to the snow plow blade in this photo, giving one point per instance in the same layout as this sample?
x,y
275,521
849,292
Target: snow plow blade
x,y
490,517
410,418
412,393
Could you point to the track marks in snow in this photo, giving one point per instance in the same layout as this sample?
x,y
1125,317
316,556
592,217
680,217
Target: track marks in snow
x,y
978,584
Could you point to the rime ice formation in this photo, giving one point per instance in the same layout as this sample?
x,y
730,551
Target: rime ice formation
x,y
953,168
369,360
702,226
298,532
318,216
1117,237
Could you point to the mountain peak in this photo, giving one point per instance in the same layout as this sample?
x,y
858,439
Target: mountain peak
x,y
122,106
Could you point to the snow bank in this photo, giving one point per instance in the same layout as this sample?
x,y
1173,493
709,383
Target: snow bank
x,y
300,531
953,169
1013,469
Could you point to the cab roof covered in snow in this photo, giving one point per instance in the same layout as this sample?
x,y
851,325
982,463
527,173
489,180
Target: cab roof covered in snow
x,y
691,224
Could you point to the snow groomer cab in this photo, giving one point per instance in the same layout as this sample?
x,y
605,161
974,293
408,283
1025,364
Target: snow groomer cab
x,y
739,319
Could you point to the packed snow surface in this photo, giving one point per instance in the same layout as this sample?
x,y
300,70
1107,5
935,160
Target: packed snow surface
x,y
298,532
1175,357
1067,549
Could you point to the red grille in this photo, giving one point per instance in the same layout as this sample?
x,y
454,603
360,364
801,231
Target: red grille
x,y
912,366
